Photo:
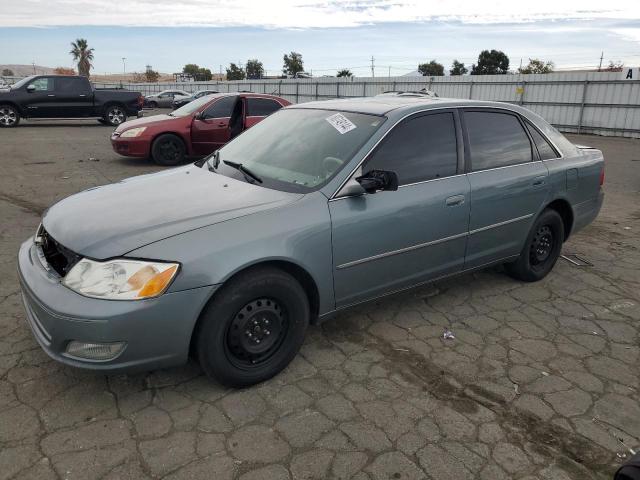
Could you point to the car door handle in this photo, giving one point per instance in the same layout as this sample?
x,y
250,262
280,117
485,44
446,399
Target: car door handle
x,y
51,95
222,124
454,200
538,181
82,95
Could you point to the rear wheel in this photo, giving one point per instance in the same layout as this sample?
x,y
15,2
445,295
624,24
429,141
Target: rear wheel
x,y
9,116
168,150
115,115
253,328
541,250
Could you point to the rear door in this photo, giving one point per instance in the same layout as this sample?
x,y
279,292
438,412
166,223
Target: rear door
x,y
74,97
509,184
258,108
391,240
211,131
41,101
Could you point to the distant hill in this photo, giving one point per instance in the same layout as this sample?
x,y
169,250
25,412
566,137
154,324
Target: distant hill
x,y
26,70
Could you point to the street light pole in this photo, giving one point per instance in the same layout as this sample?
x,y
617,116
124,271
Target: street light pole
x,y
124,69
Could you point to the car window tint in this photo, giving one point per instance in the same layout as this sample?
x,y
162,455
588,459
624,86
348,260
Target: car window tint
x,y
71,85
43,84
261,107
419,149
221,108
496,140
546,151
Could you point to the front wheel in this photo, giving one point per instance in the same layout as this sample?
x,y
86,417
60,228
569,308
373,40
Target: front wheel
x,y
541,250
253,328
168,150
115,115
9,116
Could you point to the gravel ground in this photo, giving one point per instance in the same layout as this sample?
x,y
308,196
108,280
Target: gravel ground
x,y
540,382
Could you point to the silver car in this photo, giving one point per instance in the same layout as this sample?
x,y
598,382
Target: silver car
x,y
165,98
319,207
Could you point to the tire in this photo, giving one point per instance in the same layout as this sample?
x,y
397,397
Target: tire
x,y
115,115
153,104
168,150
9,116
253,327
541,250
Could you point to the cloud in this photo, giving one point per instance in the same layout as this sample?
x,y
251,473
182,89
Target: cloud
x,y
294,14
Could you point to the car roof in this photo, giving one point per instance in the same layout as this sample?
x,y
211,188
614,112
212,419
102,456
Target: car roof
x,y
384,104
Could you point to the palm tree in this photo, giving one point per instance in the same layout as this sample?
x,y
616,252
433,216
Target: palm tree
x,y
345,72
83,55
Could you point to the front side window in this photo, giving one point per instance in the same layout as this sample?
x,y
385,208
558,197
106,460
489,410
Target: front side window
x,y
546,151
221,108
261,107
298,150
419,149
43,84
496,140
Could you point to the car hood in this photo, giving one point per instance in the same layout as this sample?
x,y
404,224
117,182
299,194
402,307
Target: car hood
x,y
111,220
145,122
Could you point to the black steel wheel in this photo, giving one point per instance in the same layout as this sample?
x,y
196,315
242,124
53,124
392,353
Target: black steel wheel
x,y
253,327
168,150
541,250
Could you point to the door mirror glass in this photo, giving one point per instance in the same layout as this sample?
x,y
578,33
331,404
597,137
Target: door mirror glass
x,y
378,180
31,88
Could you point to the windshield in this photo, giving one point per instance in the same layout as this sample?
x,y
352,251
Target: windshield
x,y
22,82
298,149
191,107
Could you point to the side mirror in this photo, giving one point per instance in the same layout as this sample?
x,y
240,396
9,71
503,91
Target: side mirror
x,y
198,116
376,180
31,88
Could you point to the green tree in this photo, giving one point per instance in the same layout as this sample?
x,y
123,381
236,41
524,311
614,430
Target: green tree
x,y
235,73
83,55
492,62
254,69
203,75
431,69
151,76
345,72
7,72
458,68
293,64
537,66
191,69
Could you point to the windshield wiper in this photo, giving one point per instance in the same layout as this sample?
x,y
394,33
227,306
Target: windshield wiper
x,y
247,173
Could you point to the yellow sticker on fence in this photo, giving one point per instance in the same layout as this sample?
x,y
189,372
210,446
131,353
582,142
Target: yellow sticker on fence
x,y
519,90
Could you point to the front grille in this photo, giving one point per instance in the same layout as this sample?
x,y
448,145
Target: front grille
x,y
59,258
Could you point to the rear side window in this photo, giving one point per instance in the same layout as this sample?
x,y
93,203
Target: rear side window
x,y
71,85
221,108
419,149
261,107
546,151
43,84
496,140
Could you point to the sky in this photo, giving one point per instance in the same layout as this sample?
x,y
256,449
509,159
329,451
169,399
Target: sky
x,y
329,34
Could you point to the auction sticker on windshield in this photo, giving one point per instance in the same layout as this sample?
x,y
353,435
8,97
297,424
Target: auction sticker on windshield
x,y
341,123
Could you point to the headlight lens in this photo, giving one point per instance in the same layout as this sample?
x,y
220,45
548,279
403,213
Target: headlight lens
x,y
121,279
133,132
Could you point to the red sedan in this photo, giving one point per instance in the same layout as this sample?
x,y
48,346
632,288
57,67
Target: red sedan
x,y
199,128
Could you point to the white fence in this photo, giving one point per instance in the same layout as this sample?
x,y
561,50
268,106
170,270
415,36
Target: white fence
x,y
580,102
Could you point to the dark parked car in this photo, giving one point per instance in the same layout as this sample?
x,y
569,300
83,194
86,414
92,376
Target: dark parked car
x,y
197,129
66,96
319,207
181,102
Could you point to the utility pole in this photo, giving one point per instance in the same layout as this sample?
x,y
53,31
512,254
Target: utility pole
x,y
601,57
373,68
34,67
389,71
124,65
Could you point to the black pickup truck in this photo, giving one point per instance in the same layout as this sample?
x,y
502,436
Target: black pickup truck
x,y
66,96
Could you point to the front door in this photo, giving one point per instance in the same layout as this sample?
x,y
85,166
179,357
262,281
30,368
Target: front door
x,y
391,240
41,98
508,185
211,130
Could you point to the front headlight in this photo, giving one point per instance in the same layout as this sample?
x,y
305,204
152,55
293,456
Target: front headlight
x,y
133,132
121,279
